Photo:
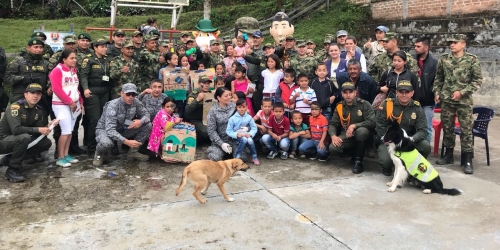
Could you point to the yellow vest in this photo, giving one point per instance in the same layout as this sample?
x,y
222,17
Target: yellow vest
x,y
418,166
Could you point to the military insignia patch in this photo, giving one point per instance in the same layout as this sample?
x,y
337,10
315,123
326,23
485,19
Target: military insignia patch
x,y
14,106
359,112
380,107
190,100
416,103
14,112
84,63
413,116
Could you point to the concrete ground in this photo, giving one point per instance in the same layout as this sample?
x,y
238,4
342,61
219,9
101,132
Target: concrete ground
x,y
292,204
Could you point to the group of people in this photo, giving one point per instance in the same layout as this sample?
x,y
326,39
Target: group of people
x,y
294,100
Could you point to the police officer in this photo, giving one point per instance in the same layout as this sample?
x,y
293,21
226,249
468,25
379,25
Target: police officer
x,y
123,69
114,49
194,108
356,119
458,76
124,120
22,123
47,50
95,81
83,49
302,63
149,61
410,117
69,43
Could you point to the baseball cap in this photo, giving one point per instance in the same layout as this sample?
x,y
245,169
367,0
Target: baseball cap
x,y
257,34
404,85
129,88
212,42
136,33
69,39
84,35
150,37
100,41
341,33
382,28
328,39
204,79
348,86
456,38
390,36
226,39
164,43
119,32
35,41
33,87
290,37
39,34
185,33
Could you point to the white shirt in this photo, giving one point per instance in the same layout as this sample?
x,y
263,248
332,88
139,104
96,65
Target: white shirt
x,y
271,80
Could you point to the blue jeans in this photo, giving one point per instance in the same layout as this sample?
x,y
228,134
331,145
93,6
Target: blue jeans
x,y
327,113
429,114
270,143
296,142
310,147
241,142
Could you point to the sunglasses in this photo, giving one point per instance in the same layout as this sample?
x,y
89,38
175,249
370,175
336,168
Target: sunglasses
x,y
131,94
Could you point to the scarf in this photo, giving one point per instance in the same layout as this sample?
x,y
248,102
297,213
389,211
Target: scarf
x,y
157,132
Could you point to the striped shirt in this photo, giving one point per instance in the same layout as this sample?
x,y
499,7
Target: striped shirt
x,y
318,125
299,104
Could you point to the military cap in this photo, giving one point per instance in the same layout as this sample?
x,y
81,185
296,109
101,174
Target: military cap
x,y
69,39
456,38
155,33
247,24
348,86
212,42
35,41
226,39
310,41
100,41
290,37
136,33
382,28
267,45
390,36
164,43
204,79
342,33
84,35
404,85
39,34
129,88
185,33
328,39
301,43
33,87
150,37
119,32
128,43
189,39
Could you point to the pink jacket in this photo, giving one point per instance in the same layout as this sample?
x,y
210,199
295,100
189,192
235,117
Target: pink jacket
x,y
65,85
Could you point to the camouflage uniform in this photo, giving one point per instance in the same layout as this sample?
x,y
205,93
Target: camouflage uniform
x,y
149,67
194,114
306,65
82,54
47,52
383,62
120,78
54,59
212,59
152,105
137,53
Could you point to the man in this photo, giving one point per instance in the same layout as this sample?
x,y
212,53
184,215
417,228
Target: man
x,y
138,46
69,42
371,48
341,37
322,55
124,69
256,62
383,62
123,120
410,117
22,123
185,36
83,50
427,65
356,119
227,41
458,76
194,107
302,63
212,55
149,61
114,49
287,49
366,87
47,50
310,44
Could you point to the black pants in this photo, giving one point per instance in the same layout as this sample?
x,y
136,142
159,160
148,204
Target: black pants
x,y
17,145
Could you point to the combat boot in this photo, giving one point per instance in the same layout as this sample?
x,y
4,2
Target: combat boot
x,y
97,162
466,162
358,166
447,158
5,160
133,153
14,175
74,149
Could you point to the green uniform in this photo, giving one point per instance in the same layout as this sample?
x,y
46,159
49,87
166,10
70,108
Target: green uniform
x,y
113,51
54,59
359,113
194,114
411,118
304,65
285,54
47,52
212,59
457,74
321,55
119,78
137,52
149,65
383,62
94,76
82,54
19,127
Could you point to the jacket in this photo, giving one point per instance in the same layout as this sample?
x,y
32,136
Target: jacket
x,y
391,79
341,68
237,121
427,80
217,120
366,86
65,85
324,90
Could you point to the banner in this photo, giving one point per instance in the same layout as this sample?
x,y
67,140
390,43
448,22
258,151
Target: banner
x,y
55,38
175,83
195,76
208,102
179,143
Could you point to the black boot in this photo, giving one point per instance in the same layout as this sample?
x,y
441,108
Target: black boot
x,y
114,149
466,163
5,160
358,166
14,175
74,149
447,158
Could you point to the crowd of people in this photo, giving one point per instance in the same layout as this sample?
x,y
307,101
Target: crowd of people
x,y
290,99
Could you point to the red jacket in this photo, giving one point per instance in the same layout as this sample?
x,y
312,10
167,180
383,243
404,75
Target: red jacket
x,y
284,91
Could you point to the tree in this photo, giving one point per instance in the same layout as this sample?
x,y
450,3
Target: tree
x,y
278,5
206,9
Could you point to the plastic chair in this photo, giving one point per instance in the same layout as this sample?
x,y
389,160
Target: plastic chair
x,y
438,126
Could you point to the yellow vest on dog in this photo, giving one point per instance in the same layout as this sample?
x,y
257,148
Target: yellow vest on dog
x,y
418,166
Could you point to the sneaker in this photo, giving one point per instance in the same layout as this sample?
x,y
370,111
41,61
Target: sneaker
x,y
97,162
284,155
302,156
324,158
63,163
70,159
292,155
272,154
314,156
255,161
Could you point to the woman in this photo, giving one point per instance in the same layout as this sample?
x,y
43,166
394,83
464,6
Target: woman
x,y
399,71
335,65
94,78
350,46
67,103
228,61
218,116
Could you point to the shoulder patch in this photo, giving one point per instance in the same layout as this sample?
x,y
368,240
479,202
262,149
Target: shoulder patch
x,y
190,100
14,112
15,106
416,103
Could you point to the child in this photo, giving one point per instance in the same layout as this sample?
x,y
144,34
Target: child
x,y
219,82
285,89
237,128
165,115
317,147
240,49
324,89
303,96
272,77
172,61
299,133
240,83
263,116
277,132
185,66
219,70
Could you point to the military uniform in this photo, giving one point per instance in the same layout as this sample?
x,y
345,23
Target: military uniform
x,y
152,105
82,54
457,74
120,78
212,59
304,65
113,51
47,52
383,63
18,128
54,59
193,113
149,65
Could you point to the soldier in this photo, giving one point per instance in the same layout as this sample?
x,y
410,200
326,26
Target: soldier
x,y
310,44
322,55
212,56
149,61
69,43
194,108
4,98
256,63
410,117
83,49
22,123
356,119
95,81
124,69
114,49
302,63
138,46
227,41
383,62
47,50
123,120
287,49
458,76
375,48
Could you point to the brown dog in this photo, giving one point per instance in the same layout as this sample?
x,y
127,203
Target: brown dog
x,y
204,172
